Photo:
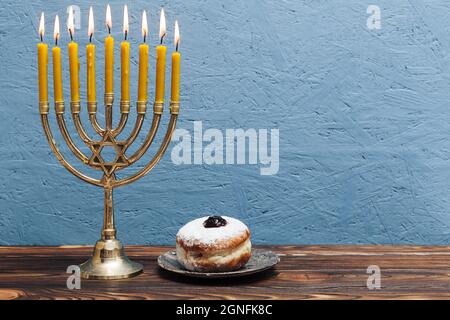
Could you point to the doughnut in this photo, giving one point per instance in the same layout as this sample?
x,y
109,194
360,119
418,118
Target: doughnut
x,y
213,244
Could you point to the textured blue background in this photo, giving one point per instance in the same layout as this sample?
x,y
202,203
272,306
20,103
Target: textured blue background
x,y
363,116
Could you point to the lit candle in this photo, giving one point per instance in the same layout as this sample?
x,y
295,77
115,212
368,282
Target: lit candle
x,y
90,57
74,64
125,59
42,63
175,87
160,60
57,68
109,54
143,61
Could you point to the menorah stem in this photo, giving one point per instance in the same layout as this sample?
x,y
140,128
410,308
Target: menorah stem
x,y
109,229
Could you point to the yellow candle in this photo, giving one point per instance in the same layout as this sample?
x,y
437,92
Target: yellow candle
x,y
109,55
125,60
161,61
90,57
42,64
160,73
143,72
143,62
74,64
42,71
109,64
74,67
175,94
57,74
176,57
57,67
90,61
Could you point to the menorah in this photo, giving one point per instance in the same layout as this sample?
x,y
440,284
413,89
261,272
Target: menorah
x,y
109,260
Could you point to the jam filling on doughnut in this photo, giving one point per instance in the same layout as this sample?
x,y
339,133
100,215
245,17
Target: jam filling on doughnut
x,y
214,222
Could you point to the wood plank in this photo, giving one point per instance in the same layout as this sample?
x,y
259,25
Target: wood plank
x,y
305,272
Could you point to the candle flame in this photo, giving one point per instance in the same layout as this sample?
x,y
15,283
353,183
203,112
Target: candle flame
x,y
91,22
125,20
144,24
177,35
162,25
108,18
70,22
42,26
56,29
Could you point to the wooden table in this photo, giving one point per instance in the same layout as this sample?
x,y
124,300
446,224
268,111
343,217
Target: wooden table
x,y
305,272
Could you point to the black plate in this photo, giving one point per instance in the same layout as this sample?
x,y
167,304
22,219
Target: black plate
x,y
260,260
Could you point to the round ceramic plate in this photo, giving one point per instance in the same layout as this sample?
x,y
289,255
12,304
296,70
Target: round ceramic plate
x,y
260,260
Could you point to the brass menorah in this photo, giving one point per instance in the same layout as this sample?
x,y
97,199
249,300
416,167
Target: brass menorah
x,y
109,260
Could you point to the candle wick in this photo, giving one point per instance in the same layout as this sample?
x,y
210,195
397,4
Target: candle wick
x,y
176,47
109,29
56,41
42,38
145,37
71,35
126,34
162,38
90,38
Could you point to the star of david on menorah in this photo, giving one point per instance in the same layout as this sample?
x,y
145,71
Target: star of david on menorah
x,y
108,260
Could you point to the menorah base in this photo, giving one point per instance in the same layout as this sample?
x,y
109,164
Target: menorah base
x,y
109,262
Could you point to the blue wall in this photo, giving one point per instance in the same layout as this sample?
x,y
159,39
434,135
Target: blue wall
x,y
364,119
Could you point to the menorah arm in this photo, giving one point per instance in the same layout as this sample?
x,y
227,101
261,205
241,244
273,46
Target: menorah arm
x,y
92,110
59,156
59,110
75,110
124,111
162,149
63,128
80,129
141,107
150,136
95,124
121,125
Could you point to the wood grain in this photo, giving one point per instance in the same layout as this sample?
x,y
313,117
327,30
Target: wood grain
x,y
305,272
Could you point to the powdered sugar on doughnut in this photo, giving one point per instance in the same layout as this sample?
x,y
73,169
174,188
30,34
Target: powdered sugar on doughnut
x,y
194,231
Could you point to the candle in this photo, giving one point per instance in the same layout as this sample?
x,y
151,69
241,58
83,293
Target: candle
x,y
143,62
42,63
175,87
160,60
109,55
125,59
74,64
57,68
90,57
